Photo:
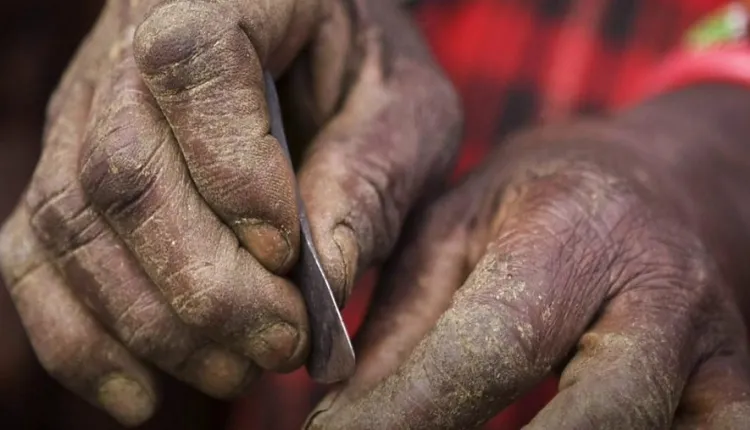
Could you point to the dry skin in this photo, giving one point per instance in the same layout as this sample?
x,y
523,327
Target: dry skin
x,y
161,216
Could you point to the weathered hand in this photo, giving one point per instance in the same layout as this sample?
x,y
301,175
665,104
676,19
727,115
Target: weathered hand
x,y
613,251
162,214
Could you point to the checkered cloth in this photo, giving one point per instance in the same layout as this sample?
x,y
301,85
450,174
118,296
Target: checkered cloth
x,y
515,63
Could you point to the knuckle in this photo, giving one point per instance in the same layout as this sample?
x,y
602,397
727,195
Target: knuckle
x,y
592,232
60,216
175,34
509,341
607,226
616,239
574,208
519,316
123,162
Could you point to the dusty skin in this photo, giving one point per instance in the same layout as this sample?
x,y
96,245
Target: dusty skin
x,y
161,217
611,251
160,221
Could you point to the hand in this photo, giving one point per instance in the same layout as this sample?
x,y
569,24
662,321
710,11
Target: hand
x,y
162,215
613,251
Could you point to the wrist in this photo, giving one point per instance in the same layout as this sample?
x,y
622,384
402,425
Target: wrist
x,y
696,141
694,134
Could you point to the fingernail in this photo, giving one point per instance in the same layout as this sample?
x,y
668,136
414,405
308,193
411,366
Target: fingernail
x,y
346,241
277,347
126,400
220,373
268,244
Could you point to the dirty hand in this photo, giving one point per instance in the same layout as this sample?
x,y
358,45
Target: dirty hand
x,y
612,251
162,214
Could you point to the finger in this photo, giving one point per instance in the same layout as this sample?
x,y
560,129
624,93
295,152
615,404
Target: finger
x,y
718,393
132,172
392,142
416,287
312,89
202,62
631,366
102,273
517,315
69,343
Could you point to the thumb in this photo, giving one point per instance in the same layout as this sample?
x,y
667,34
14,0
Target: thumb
x,y
416,288
393,140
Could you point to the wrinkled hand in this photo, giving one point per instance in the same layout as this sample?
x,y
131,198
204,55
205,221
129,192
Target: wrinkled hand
x,y
613,251
162,215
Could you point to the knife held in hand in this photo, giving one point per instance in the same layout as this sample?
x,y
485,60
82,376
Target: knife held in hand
x,y
331,356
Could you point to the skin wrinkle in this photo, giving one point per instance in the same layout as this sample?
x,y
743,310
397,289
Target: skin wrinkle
x,y
44,200
636,246
624,344
85,215
190,59
59,233
701,408
71,233
227,174
365,247
363,231
173,209
123,209
109,349
142,316
135,167
142,302
57,357
21,279
140,182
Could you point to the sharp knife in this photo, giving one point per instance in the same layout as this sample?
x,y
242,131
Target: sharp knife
x,y
331,356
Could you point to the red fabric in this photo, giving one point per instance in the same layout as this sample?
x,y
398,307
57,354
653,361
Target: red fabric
x,y
515,63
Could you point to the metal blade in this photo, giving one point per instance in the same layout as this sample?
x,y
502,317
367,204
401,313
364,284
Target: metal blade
x,y
331,356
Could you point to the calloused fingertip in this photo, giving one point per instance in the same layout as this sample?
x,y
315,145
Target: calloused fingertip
x,y
280,347
220,373
175,31
128,401
348,247
271,246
